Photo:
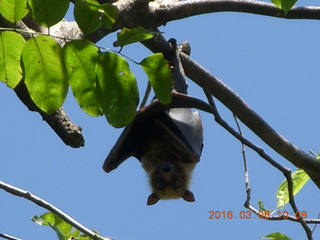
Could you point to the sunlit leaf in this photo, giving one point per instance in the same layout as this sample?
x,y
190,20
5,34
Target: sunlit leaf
x,y
11,45
80,58
299,178
63,229
137,34
48,12
46,219
285,5
118,91
90,15
160,76
44,73
13,10
276,236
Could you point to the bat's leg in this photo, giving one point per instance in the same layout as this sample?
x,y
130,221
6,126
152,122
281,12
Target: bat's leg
x,y
178,75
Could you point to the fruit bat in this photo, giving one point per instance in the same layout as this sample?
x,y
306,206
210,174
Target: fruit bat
x,y
168,142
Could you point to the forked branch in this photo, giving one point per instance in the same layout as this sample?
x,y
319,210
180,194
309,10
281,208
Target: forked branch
x,y
251,119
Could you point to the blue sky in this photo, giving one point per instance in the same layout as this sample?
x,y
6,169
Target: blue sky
x,y
273,64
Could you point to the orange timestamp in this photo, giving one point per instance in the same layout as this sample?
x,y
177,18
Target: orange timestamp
x,y
250,215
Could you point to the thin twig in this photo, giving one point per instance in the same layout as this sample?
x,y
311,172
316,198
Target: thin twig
x,y
279,217
246,170
294,206
285,171
6,236
42,203
315,226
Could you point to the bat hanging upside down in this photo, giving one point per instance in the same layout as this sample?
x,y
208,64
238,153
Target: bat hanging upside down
x,y
168,143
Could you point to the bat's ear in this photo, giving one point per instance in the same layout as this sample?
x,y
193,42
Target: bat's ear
x,y
188,196
152,199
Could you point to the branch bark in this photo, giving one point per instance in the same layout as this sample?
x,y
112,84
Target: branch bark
x,y
6,236
163,13
157,13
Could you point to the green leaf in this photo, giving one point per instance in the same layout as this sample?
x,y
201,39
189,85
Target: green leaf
x,y
276,236
261,206
299,178
110,14
63,229
11,45
44,73
48,12
285,5
160,76
137,34
80,58
46,219
117,87
90,15
13,10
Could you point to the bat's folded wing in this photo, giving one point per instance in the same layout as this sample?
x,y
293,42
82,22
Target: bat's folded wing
x,y
130,140
180,127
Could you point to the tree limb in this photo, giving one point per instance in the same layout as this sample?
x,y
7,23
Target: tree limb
x,y
251,119
157,13
42,203
163,13
6,236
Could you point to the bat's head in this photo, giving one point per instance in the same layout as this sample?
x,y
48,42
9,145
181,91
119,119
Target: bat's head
x,y
170,180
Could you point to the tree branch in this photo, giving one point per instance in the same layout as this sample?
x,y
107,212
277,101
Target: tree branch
x,y
59,121
163,13
288,176
42,203
182,100
251,119
6,236
156,13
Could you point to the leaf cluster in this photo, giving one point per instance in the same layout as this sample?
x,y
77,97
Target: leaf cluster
x,y
101,82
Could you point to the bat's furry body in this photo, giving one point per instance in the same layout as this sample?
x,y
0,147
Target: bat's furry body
x,y
168,143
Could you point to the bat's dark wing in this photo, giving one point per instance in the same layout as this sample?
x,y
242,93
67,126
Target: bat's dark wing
x,y
129,142
180,127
